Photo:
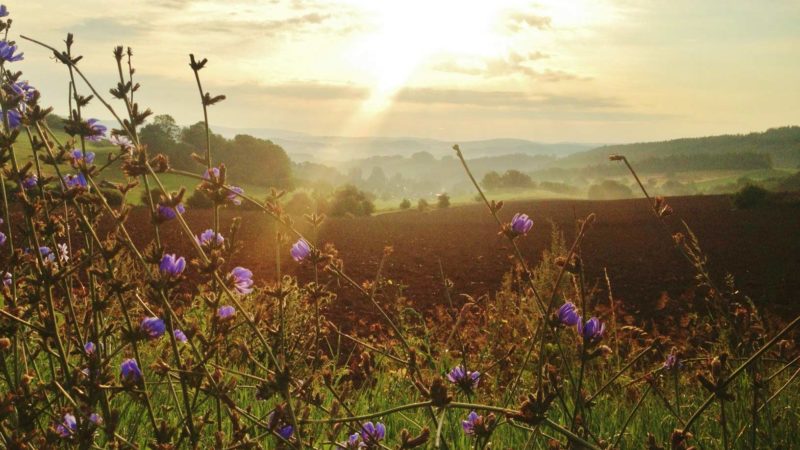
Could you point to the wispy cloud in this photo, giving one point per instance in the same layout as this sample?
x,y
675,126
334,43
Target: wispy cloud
x,y
512,64
503,99
519,20
311,90
289,25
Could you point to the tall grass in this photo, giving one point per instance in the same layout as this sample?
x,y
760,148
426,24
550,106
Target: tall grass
x,y
104,343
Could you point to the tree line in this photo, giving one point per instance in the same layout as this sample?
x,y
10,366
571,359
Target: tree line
x,y
248,159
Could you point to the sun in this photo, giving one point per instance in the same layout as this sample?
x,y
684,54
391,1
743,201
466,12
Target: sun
x,y
408,33
398,40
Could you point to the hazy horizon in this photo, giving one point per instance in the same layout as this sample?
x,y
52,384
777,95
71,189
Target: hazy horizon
x,y
546,71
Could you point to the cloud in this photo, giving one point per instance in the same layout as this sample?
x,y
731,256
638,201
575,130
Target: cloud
x,y
98,28
511,64
309,90
503,99
519,21
171,4
318,91
292,24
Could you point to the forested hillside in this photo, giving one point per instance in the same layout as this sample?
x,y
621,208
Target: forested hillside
x,y
782,145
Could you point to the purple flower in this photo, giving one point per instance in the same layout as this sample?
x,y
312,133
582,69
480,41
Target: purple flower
x,y
47,254
353,441
153,327
171,266
464,379
30,181
3,11
98,130
233,196
180,336
24,90
673,362
286,432
96,419
75,181
89,348
372,434
7,53
78,157
300,250
69,426
168,212
14,118
7,279
592,331
568,314
242,280
209,238
226,312
469,424
521,224
282,429
129,370
211,173
121,141
2,239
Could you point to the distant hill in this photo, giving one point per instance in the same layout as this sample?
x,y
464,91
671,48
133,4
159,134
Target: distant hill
x,y
781,144
305,147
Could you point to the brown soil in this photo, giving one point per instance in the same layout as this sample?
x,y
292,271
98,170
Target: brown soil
x,y
760,248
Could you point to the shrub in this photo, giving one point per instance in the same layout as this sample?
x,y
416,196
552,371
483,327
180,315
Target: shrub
x,y
300,203
405,204
155,194
609,190
750,196
113,197
511,179
790,183
199,200
349,200
442,200
422,204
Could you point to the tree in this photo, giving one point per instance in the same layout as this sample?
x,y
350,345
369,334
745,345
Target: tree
x,y
162,136
750,196
516,179
349,200
608,190
258,161
423,157
405,204
168,126
300,203
377,180
442,200
195,136
491,180
511,179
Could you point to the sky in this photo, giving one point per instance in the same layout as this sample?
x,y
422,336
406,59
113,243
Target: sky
x,y
597,71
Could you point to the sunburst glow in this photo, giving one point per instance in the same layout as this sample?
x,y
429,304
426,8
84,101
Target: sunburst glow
x,y
408,33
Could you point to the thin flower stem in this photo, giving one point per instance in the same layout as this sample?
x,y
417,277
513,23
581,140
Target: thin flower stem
x,y
215,225
620,372
621,432
739,370
369,416
658,216
781,389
